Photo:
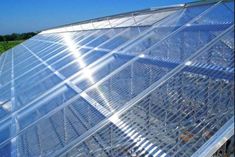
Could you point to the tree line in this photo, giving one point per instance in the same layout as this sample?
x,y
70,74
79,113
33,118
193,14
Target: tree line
x,y
16,36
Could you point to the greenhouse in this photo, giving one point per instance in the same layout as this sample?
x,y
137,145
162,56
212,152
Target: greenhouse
x,y
157,82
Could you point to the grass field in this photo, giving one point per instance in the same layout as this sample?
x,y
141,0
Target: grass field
x,y
7,45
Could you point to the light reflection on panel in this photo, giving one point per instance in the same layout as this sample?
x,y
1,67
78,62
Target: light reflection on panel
x,y
157,82
178,117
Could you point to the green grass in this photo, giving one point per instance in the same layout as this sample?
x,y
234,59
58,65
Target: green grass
x,y
5,45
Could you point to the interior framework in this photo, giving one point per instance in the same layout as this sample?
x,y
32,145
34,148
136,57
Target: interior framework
x,y
157,82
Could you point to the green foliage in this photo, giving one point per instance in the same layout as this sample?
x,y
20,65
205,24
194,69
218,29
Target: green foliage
x,y
5,45
15,36
9,41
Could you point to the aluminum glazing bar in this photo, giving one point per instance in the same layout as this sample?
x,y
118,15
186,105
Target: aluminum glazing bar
x,y
217,140
15,124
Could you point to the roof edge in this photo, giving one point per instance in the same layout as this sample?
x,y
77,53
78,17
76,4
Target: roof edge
x,y
161,8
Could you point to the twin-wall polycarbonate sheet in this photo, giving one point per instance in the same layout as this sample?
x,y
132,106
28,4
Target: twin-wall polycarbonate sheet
x,y
126,21
177,117
165,77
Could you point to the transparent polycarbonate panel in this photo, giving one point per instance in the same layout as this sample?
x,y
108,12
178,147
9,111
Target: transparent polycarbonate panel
x,y
120,39
37,72
126,84
67,57
100,24
87,26
47,54
5,131
220,15
5,97
30,114
41,108
6,68
126,21
33,77
29,91
78,37
220,57
142,19
110,141
53,38
79,63
130,22
230,6
168,74
5,78
118,22
61,127
104,37
92,36
96,73
21,55
175,43
49,38
174,118
36,45
7,62
21,68
154,17
2,59
47,50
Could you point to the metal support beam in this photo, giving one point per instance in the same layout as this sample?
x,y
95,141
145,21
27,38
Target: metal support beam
x,y
217,140
15,124
213,71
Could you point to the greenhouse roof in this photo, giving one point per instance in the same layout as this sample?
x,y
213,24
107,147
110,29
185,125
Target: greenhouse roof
x,y
155,82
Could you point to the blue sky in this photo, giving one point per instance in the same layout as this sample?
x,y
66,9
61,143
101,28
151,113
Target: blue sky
x,y
19,16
